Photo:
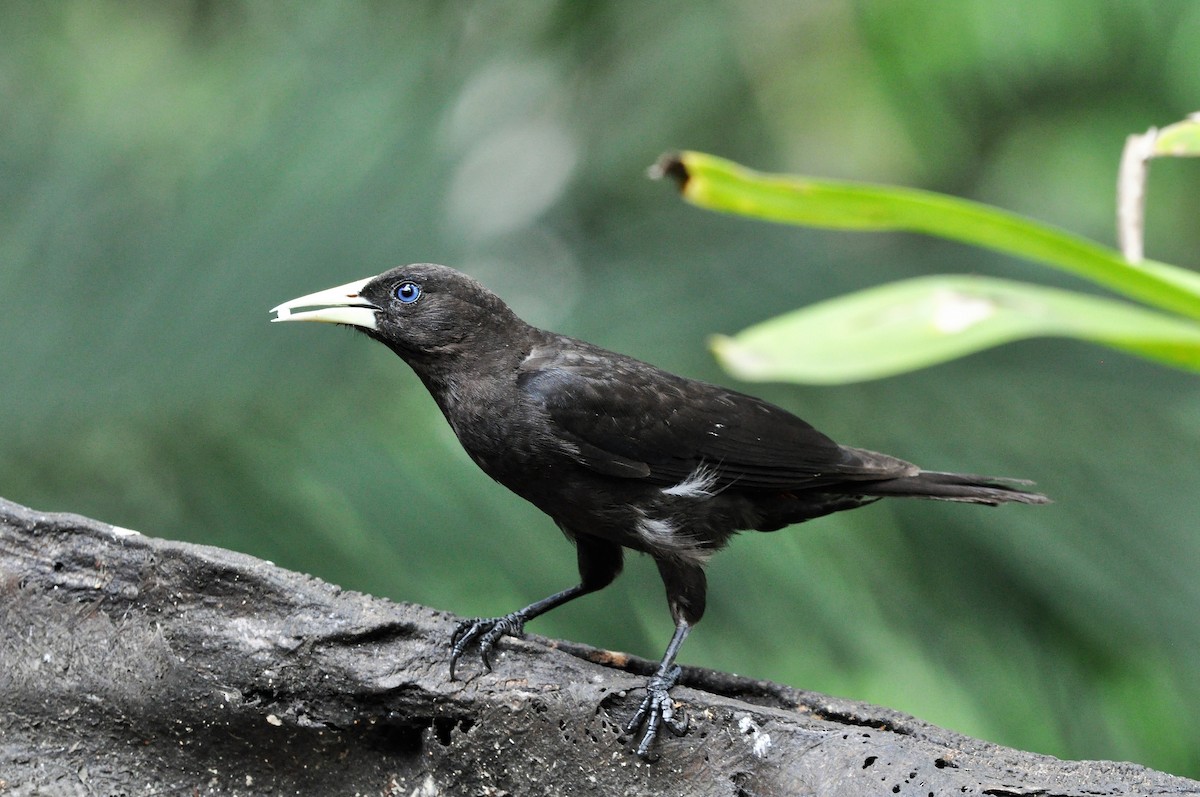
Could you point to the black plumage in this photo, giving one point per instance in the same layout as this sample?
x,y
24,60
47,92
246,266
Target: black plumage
x,y
619,453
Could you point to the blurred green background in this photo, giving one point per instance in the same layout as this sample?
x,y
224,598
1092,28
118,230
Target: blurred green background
x,y
171,170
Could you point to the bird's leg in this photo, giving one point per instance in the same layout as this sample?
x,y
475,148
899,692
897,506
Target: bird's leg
x,y
489,629
658,709
686,588
599,563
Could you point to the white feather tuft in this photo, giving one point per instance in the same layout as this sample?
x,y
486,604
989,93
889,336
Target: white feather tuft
x,y
698,484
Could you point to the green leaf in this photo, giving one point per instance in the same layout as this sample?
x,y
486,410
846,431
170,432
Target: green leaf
x,y
911,324
722,185
1180,140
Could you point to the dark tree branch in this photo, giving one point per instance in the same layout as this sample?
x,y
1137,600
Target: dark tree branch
x,y
133,665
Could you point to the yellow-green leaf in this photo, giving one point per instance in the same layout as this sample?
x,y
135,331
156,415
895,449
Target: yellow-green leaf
x,y
719,184
903,326
1180,140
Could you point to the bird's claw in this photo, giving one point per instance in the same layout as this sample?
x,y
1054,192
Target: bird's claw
x,y
487,630
657,711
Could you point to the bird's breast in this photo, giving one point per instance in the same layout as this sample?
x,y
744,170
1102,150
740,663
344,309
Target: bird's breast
x,y
505,438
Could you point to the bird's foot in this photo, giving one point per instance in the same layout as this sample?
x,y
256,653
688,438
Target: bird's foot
x,y
658,710
487,630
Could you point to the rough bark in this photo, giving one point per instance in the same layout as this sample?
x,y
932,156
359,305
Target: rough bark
x,y
131,665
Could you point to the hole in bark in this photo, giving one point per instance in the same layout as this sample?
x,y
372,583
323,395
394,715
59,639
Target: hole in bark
x,y
442,726
398,738
871,759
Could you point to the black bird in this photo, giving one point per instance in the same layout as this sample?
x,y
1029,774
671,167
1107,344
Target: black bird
x,y
619,453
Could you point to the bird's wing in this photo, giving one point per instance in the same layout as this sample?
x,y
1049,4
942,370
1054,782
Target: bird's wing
x,y
628,418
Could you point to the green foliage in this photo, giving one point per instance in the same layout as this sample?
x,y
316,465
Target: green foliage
x,y
1180,140
908,325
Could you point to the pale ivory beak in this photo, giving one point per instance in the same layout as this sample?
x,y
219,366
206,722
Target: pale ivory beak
x,y
340,305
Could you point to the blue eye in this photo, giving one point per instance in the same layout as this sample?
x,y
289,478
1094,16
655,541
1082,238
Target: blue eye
x,y
408,292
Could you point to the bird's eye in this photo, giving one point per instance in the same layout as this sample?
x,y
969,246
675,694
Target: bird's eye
x,y
408,292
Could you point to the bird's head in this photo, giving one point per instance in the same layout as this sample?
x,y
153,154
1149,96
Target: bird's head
x,y
420,311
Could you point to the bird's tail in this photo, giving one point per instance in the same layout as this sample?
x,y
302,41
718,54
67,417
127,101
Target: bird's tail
x,y
963,487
